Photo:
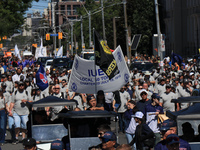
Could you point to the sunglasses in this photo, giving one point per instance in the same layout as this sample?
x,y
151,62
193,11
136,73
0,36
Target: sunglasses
x,y
171,139
21,85
139,88
56,88
143,93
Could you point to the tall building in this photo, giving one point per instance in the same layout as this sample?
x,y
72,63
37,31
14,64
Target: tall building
x,y
182,26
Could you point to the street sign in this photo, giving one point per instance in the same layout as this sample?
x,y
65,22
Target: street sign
x,y
53,34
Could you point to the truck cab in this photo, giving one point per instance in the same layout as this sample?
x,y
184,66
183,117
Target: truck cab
x,y
88,54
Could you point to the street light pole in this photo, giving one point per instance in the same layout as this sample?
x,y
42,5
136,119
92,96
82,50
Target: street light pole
x,y
158,30
72,38
89,28
102,11
81,33
54,28
126,30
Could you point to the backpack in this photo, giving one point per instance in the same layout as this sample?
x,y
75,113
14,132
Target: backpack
x,y
25,92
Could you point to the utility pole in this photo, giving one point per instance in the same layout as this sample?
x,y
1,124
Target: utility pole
x,y
114,33
89,28
81,33
72,38
54,28
59,39
158,30
126,30
102,11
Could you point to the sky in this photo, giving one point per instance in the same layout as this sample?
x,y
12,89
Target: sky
x,y
38,6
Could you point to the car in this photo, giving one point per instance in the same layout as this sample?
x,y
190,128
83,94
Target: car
x,y
48,64
63,62
43,60
143,66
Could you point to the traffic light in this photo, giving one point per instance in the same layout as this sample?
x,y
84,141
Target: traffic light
x,y
34,45
70,47
4,38
1,45
47,36
59,35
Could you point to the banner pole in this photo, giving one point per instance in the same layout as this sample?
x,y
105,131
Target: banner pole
x,y
95,62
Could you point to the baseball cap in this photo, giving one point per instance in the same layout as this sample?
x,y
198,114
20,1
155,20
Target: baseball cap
x,y
155,95
172,139
90,97
167,124
57,145
168,86
143,91
191,73
109,136
29,142
20,83
138,114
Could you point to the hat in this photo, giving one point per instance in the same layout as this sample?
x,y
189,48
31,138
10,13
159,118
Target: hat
x,y
167,124
143,90
3,76
51,83
168,86
138,114
109,136
29,142
155,95
3,84
147,73
172,139
27,80
191,73
185,81
57,145
20,83
90,97
162,79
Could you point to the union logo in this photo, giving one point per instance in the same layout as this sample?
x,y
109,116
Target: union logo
x,y
43,78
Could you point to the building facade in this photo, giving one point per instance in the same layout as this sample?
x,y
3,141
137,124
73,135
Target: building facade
x,y
182,26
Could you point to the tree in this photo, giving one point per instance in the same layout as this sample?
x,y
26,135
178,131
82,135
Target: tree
x,y
12,15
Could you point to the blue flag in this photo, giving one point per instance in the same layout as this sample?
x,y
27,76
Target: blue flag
x,y
176,58
41,78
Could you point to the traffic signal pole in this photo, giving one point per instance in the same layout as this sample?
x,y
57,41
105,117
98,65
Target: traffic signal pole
x,y
54,28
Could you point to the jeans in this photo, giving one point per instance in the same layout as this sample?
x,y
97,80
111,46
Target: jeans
x,y
129,138
2,125
121,122
20,121
11,125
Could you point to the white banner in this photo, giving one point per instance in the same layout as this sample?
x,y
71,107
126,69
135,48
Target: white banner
x,y
60,52
17,52
82,78
40,52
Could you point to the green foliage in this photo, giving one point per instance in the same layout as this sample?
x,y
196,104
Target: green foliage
x,y
140,16
12,15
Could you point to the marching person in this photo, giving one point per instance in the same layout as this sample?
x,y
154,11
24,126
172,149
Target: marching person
x,y
21,111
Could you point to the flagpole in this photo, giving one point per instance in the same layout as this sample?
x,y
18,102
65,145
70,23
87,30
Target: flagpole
x,y
95,62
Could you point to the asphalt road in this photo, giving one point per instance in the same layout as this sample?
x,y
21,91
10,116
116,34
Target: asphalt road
x,y
9,146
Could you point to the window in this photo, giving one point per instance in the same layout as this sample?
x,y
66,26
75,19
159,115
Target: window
x,y
68,9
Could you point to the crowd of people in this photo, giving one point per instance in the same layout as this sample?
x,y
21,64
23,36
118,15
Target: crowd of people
x,y
139,104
